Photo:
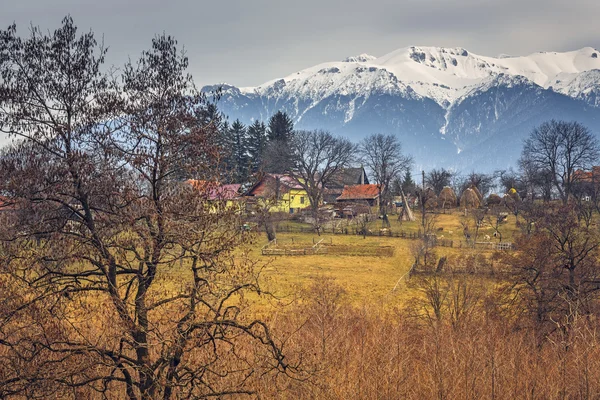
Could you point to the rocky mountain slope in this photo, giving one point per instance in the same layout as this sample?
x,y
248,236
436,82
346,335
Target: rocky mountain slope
x,y
449,107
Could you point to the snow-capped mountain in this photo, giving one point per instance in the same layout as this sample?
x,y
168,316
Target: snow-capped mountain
x,y
449,106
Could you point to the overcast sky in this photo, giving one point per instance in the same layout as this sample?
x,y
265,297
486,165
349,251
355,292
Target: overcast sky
x,y
248,42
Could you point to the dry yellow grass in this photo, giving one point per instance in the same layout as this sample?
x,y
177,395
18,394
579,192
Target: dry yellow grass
x,y
365,279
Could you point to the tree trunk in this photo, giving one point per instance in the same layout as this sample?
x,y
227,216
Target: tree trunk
x,y
315,212
270,229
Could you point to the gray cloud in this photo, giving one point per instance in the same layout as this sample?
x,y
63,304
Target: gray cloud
x,y
247,42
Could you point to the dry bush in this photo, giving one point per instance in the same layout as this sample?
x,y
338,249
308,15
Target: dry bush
x,y
471,352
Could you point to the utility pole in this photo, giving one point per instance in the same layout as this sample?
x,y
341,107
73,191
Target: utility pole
x,y
422,202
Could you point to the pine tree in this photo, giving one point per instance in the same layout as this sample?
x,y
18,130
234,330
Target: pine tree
x,y
280,127
239,156
225,145
277,157
257,142
408,185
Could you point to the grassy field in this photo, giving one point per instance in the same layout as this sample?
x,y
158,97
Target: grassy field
x,y
365,279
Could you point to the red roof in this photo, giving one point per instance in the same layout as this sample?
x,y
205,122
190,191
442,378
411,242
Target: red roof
x,y
267,186
360,192
216,191
587,176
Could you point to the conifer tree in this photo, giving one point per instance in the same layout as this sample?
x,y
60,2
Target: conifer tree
x,y
224,144
408,185
277,156
257,142
239,157
280,127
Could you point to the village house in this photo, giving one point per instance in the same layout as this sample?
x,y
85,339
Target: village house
x,y
344,177
282,193
592,176
360,194
586,183
217,192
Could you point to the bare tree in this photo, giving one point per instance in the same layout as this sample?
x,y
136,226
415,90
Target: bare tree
x,y
96,178
561,148
317,157
510,179
382,155
482,182
556,269
437,179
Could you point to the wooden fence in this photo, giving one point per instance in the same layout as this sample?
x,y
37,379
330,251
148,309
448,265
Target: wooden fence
x,y
432,238
495,245
351,231
273,249
317,248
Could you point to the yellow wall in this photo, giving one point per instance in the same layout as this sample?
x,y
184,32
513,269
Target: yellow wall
x,y
294,199
298,199
216,206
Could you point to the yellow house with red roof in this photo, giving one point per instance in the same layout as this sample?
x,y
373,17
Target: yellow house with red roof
x,y
281,193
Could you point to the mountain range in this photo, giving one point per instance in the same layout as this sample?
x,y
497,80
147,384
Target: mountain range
x,y
450,107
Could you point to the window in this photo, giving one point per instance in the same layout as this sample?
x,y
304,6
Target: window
x,y
301,199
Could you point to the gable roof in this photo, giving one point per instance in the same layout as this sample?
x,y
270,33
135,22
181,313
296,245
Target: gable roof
x,y
268,183
348,176
360,192
216,191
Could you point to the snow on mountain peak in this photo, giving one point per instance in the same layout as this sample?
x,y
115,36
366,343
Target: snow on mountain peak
x,y
361,58
443,74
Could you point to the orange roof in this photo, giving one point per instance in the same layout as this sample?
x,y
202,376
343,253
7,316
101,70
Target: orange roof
x,y
587,176
360,192
582,176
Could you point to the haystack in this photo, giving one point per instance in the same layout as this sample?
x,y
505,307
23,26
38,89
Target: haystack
x,y
494,200
428,194
431,203
514,194
469,199
447,198
477,193
511,199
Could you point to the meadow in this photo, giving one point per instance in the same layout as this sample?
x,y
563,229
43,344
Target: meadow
x,y
366,279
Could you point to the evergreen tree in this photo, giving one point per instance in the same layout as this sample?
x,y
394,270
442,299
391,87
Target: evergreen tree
x,y
280,127
239,156
257,142
225,145
277,155
408,185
